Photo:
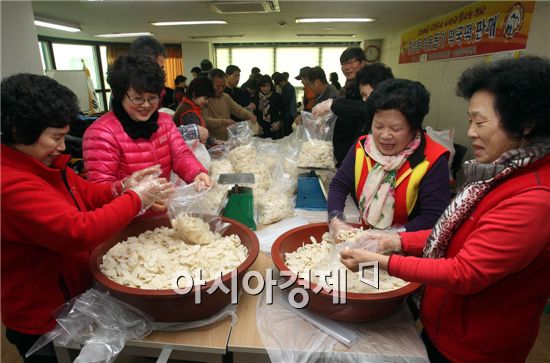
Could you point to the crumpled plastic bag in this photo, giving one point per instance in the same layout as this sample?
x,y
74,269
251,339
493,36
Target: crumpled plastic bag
x,y
98,321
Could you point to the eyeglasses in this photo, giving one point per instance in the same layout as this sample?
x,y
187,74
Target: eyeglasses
x,y
349,62
138,100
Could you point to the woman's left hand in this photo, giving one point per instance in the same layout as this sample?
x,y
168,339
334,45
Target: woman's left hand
x,y
351,258
205,179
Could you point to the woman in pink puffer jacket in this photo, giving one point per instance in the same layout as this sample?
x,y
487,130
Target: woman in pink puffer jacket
x,y
134,135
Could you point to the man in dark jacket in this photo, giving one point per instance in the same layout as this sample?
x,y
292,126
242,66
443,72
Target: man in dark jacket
x,y
288,96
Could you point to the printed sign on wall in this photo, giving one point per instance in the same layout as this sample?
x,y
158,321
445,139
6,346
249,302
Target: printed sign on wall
x,y
482,28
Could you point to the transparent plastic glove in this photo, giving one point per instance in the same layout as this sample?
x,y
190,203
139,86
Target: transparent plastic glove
x,y
379,241
202,181
322,108
337,223
127,183
152,189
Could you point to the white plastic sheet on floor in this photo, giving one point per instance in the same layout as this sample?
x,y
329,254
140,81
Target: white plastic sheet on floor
x,y
289,338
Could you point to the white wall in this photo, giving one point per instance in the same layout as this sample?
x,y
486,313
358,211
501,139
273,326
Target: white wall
x,y
440,77
19,41
193,53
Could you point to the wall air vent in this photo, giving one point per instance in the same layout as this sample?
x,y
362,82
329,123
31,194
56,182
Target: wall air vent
x,y
245,7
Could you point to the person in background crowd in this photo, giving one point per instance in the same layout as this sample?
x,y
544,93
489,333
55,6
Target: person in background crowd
x,y
308,99
269,112
135,135
353,111
397,175
206,67
217,113
51,217
351,60
181,87
232,78
288,98
195,72
255,74
485,264
333,78
318,83
189,111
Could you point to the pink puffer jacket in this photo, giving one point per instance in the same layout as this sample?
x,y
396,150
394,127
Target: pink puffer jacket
x,y
111,155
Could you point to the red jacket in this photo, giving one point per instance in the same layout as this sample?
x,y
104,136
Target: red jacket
x,y
47,233
111,155
483,300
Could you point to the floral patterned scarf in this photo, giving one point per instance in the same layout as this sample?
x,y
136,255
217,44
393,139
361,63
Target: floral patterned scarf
x,y
377,200
264,105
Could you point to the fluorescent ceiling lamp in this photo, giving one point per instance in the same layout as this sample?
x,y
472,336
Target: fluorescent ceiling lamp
x,y
73,28
327,35
122,35
194,22
335,20
216,36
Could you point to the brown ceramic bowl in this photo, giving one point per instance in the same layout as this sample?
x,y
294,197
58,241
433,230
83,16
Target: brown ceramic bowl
x,y
166,305
358,307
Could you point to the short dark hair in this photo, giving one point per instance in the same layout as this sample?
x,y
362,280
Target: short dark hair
x,y
147,46
278,77
195,70
374,73
252,84
352,53
317,73
522,92
32,103
231,69
408,97
266,79
200,87
216,73
333,76
206,65
140,73
255,70
180,79
286,75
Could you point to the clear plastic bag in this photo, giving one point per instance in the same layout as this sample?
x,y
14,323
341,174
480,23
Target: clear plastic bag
x,y
98,321
315,135
200,152
277,203
239,134
195,220
318,339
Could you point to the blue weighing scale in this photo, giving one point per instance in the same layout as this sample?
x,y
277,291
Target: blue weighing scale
x,y
311,192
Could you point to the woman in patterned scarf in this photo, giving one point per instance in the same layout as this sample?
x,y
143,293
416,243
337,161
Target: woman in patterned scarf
x,y
486,263
397,174
270,107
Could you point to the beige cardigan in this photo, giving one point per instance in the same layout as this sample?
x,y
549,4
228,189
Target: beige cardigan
x,y
219,109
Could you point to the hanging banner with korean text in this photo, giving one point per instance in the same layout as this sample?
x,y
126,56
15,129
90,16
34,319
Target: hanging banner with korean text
x,y
481,28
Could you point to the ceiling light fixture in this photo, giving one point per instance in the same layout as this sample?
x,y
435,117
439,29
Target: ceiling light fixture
x,y
56,24
216,36
122,35
327,35
190,22
335,20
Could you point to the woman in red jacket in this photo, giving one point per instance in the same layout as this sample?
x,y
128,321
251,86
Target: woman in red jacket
x,y
52,218
487,260
135,135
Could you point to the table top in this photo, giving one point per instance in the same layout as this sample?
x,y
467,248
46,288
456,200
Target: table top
x,y
245,336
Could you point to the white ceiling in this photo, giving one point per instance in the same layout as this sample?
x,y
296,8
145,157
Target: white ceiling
x,y
100,17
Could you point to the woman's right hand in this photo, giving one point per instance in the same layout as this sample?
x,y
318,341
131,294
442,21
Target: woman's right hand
x,y
381,242
137,176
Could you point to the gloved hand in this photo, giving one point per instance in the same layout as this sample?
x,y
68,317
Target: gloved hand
x,y
151,190
204,179
322,108
336,225
203,134
120,187
379,241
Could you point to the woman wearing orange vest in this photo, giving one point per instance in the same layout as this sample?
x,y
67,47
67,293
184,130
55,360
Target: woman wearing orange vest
x,y
397,175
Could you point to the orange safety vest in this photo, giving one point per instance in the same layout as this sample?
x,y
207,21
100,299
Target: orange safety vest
x,y
408,177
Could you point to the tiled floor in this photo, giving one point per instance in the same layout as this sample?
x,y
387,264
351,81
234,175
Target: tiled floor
x,y
539,354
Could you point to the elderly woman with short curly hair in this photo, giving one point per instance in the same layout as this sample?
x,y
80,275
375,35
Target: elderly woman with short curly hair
x,y
486,262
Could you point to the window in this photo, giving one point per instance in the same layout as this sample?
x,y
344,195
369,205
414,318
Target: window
x,y
291,59
72,56
223,58
247,58
330,62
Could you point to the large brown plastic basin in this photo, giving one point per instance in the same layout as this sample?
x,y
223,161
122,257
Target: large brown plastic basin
x,y
358,307
166,305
